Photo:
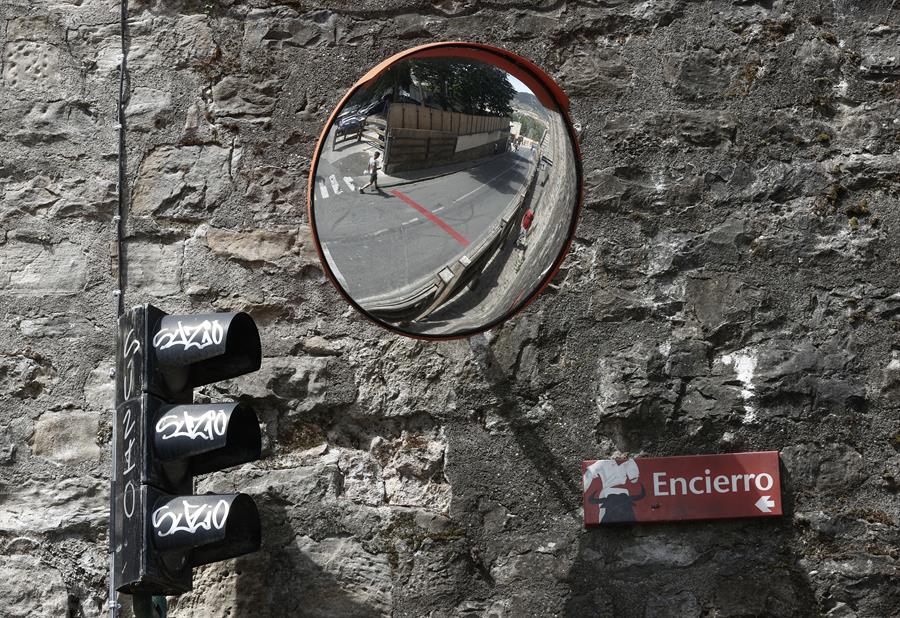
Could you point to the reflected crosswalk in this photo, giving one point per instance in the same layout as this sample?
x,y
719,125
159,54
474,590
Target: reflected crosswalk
x,y
334,184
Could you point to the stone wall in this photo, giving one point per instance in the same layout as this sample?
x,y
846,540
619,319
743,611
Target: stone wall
x,y
733,286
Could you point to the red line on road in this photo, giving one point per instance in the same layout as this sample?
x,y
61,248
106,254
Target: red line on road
x,y
433,218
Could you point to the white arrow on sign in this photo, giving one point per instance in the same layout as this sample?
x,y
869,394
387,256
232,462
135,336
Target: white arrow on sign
x,y
765,504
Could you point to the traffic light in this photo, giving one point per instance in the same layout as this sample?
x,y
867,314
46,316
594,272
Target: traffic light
x,y
160,529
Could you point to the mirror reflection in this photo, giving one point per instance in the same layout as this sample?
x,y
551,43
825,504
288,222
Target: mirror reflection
x,y
445,193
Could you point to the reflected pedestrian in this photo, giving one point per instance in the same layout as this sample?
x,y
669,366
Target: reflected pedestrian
x,y
372,171
526,224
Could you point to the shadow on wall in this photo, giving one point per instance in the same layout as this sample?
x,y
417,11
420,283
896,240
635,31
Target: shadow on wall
x,y
741,567
543,459
282,580
279,580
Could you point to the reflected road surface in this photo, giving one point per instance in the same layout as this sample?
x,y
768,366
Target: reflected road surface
x,y
382,241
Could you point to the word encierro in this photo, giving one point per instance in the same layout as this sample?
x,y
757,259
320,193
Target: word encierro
x,y
722,484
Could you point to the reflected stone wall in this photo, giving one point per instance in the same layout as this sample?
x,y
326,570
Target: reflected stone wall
x,y
733,286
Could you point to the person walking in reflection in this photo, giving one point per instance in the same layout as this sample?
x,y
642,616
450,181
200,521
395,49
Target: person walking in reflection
x,y
523,237
526,224
372,171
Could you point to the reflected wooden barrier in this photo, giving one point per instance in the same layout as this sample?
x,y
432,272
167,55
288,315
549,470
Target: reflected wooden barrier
x,y
409,116
420,137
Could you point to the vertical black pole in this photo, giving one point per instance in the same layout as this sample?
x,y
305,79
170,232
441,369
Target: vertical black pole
x,y
120,282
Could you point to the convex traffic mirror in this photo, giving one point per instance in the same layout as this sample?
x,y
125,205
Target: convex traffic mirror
x,y
445,189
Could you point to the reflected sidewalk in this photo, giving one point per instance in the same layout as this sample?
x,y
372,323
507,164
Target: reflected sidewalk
x,y
405,178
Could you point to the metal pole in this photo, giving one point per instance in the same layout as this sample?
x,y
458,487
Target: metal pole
x,y
120,284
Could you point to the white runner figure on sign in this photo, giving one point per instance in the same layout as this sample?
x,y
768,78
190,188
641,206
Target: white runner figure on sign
x,y
612,476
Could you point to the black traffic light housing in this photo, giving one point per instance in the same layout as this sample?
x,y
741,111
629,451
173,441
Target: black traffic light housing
x,y
161,441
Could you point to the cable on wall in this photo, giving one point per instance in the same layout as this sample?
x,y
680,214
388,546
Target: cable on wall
x,y
122,161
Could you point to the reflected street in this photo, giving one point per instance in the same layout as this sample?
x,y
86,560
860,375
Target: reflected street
x,y
407,231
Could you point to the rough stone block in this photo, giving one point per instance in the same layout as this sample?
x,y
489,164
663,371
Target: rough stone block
x,y
51,506
244,98
185,42
819,57
414,475
723,304
35,269
33,28
867,128
148,109
651,551
310,383
182,182
599,72
890,377
29,587
330,576
362,480
251,245
271,188
880,59
154,268
361,575
701,128
697,75
56,326
66,437
97,48
58,121
67,197
26,376
829,468
30,65
688,358
676,605
278,29
99,388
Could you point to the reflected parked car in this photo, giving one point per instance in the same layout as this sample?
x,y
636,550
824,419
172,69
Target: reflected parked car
x,y
354,121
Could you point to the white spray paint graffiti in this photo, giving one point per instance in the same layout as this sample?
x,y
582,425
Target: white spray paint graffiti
x,y
130,388
207,426
205,334
128,492
129,354
744,364
190,518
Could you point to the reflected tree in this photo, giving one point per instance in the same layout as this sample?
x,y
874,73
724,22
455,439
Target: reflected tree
x,y
464,86
394,83
451,84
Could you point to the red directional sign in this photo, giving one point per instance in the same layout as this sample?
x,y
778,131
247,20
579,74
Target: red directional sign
x,y
678,488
